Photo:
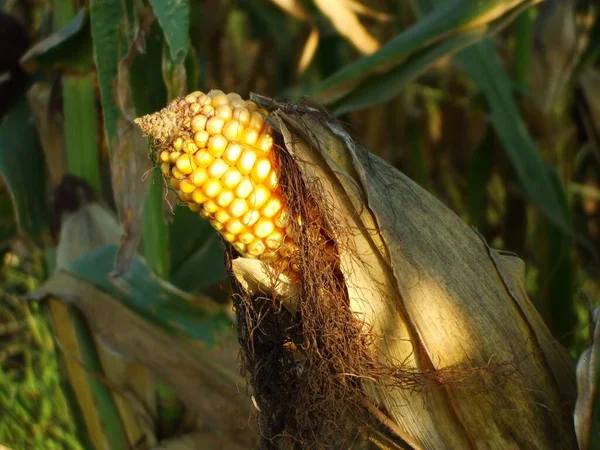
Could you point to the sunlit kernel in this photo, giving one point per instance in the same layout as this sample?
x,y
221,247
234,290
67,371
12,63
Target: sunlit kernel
x,y
265,142
234,226
194,207
239,104
198,196
205,215
256,121
187,122
165,168
217,145
190,98
182,196
234,96
190,147
199,176
164,156
242,115
210,206
271,182
258,197
240,247
176,173
229,237
197,93
246,238
261,170
214,125
195,108
249,136
246,161
174,183
222,216
275,239
201,138
224,111
173,156
250,218
272,207
263,228
211,188
217,225
231,178
184,164
255,248
199,122
218,168
208,110
204,100
203,158
244,189
233,130
232,153
187,186
238,207
224,198
220,99
178,143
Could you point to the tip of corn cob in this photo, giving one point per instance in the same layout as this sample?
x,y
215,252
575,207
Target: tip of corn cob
x,y
216,151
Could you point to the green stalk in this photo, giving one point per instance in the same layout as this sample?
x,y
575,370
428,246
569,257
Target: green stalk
x,y
81,128
155,229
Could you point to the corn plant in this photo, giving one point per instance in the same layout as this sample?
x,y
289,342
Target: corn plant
x,y
293,224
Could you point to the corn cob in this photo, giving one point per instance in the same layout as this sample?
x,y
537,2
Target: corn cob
x,y
217,153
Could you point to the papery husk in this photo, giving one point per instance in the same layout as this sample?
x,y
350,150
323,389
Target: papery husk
x,y
452,354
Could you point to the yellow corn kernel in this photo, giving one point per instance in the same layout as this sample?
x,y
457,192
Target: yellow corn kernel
x,y
173,156
185,164
246,238
211,188
275,240
255,248
214,125
198,122
246,162
231,178
242,115
244,188
165,168
232,153
229,237
233,130
234,226
272,207
201,138
256,121
203,158
198,196
176,173
225,198
261,170
186,186
249,136
222,216
164,156
258,197
210,206
190,98
265,142
251,217
238,207
217,225
263,228
174,183
224,111
194,207
218,168
199,176
217,145
240,247
178,143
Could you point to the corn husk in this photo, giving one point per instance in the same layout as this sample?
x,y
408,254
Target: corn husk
x,y
452,315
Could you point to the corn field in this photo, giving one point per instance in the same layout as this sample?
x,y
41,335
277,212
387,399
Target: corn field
x,y
299,224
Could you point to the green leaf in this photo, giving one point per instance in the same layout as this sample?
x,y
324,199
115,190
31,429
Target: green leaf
x,y
110,41
479,173
157,301
69,48
174,19
450,20
197,255
22,166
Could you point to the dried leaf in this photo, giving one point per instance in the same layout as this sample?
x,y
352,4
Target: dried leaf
x,y
206,380
310,48
293,7
346,22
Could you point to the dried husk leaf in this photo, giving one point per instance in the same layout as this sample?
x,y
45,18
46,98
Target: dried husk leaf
x,y
587,398
443,304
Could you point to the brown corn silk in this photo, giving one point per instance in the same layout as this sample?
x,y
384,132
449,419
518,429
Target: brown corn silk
x,y
401,323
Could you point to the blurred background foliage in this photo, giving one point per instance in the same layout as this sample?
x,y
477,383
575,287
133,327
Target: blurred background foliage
x,y
493,106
